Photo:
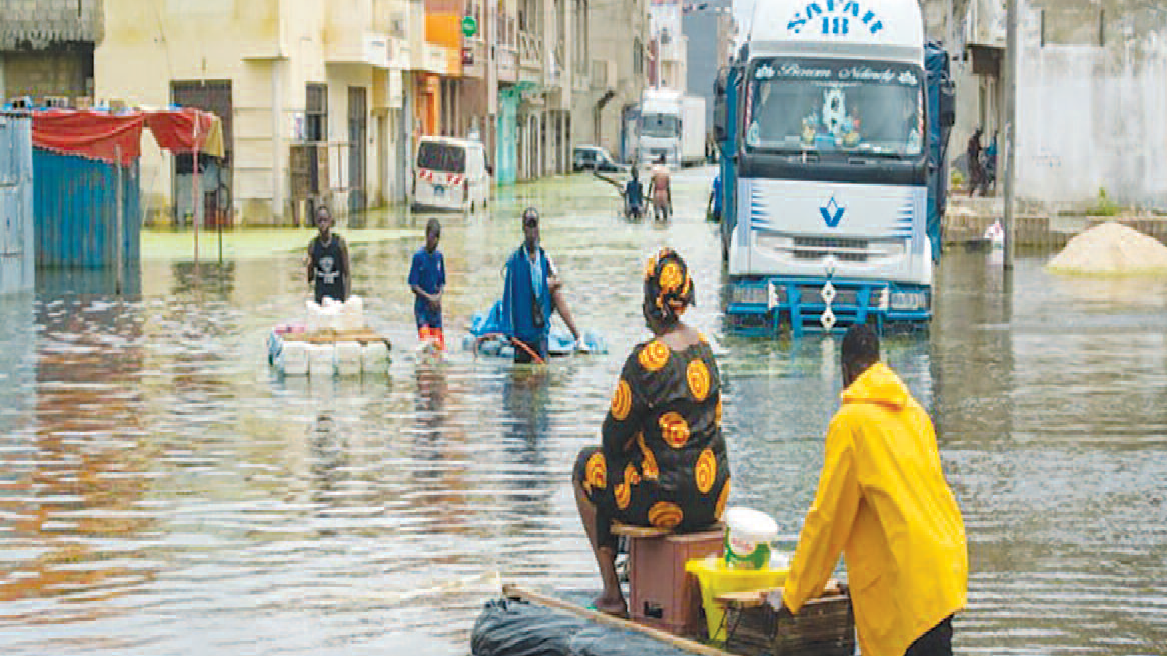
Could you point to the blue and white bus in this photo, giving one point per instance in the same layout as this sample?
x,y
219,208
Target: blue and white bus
x,y
832,131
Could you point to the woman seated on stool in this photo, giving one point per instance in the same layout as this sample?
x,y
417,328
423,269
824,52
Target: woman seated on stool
x,y
663,459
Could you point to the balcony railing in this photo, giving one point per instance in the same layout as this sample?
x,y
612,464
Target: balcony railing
x,y
508,64
530,50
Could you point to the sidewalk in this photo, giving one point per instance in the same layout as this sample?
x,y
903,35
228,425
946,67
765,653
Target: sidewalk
x,y
967,218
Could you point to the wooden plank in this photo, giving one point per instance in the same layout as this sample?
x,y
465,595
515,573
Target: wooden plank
x,y
752,598
361,335
632,531
512,591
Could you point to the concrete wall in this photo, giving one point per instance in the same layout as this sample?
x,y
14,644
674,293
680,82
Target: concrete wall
x,y
1091,104
1090,100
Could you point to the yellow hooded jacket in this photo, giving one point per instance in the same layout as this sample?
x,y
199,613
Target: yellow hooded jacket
x,y
883,502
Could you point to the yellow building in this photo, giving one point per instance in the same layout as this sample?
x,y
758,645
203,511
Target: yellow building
x,y
315,96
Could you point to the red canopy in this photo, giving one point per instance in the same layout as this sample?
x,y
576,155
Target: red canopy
x,y
100,135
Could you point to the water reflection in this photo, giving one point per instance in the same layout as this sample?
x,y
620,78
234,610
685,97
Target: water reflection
x,y
161,488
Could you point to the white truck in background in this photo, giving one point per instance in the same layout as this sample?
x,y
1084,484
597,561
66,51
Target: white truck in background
x,y
673,125
692,130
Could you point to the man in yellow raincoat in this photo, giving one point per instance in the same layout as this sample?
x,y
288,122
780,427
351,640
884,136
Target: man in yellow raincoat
x,y
883,503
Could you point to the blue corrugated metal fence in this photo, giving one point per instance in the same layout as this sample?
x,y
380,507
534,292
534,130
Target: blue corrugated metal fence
x,y
76,211
17,273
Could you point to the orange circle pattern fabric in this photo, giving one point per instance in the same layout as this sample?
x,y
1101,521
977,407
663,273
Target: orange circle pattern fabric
x,y
664,460
597,472
698,376
665,514
705,472
654,356
622,401
674,429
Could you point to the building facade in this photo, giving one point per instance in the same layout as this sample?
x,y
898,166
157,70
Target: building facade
x,y
1090,96
323,102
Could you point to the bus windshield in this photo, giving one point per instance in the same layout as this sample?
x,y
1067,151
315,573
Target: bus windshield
x,y
824,105
659,125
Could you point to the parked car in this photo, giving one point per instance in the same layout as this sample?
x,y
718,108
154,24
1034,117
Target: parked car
x,y
450,174
594,158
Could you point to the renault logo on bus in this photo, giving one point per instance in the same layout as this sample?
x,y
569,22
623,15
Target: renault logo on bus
x,y
835,18
832,213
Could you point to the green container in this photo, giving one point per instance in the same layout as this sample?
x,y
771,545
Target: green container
x,y
747,538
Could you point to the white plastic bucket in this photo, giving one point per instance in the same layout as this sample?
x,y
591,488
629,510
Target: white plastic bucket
x,y
748,534
293,358
321,360
348,358
375,358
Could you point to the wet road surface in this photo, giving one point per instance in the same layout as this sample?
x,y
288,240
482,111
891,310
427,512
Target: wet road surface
x,y
162,492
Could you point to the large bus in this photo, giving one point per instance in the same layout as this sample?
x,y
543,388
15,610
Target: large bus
x,y
832,122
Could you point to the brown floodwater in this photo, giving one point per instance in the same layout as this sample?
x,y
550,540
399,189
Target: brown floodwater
x,y
162,491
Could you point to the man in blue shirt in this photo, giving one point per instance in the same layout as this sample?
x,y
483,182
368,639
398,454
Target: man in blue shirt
x,y
632,191
530,292
427,279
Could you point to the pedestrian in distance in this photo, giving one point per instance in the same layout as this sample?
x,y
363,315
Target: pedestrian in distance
x,y
883,503
427,281
329,272
660,192
976,173
532,290
631,191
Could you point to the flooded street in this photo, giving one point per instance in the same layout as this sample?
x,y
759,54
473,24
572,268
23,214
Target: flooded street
x,y
163,492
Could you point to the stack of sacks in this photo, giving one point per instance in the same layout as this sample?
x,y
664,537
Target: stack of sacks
x,y
1111,249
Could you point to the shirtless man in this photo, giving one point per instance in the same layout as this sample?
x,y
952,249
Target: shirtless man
x,y
660,191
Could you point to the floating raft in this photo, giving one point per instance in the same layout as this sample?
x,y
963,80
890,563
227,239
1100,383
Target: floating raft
x,y
526,622
328,352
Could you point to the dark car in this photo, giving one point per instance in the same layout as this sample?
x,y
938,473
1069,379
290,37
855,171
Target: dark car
x,y
594,158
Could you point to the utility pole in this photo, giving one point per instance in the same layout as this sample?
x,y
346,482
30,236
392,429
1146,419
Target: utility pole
x,y
1010,128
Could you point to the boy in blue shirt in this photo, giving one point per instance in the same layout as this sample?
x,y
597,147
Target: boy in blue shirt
x,y
427,279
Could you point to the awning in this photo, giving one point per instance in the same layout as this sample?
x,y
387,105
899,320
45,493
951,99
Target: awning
x,y
103,135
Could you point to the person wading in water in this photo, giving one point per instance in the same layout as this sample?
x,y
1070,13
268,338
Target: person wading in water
x,y
328,264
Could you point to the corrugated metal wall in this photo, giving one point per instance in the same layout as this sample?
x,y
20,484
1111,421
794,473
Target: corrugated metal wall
x,y
17,252
76,211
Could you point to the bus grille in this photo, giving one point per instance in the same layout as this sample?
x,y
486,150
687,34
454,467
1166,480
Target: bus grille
x,y
844,249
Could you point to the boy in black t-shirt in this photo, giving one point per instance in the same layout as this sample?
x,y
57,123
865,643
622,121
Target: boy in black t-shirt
x,y
328,263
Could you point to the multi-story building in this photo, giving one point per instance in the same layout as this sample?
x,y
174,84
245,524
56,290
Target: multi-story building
x,y
320,100
1090,96
668,68
709,29
618,63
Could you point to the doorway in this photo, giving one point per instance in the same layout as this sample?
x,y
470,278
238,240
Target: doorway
x,y
358,129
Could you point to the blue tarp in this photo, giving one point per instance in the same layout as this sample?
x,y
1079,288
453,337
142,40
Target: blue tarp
x,y
484,324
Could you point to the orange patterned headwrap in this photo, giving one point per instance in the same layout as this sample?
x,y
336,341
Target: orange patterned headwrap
x,y
668,288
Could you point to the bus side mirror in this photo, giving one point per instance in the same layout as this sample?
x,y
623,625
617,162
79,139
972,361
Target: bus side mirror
x,y
947,104
719,109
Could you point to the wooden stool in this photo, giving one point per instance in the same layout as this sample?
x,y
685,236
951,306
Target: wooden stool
x,y
663,594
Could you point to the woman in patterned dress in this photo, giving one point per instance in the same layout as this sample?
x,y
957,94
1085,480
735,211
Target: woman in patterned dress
x,y
663,458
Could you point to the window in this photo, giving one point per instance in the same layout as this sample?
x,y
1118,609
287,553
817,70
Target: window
x,y
316,113
441,157
821,104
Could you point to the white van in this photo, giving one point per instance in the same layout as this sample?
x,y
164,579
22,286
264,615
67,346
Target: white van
x,y
450,174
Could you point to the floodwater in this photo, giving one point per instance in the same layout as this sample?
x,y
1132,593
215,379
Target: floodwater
x,y
162,492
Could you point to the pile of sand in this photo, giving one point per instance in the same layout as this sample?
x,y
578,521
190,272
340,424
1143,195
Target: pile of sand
x,y
1111,249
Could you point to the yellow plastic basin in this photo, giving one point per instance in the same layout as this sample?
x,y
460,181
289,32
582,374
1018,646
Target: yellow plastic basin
x,y
717,579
